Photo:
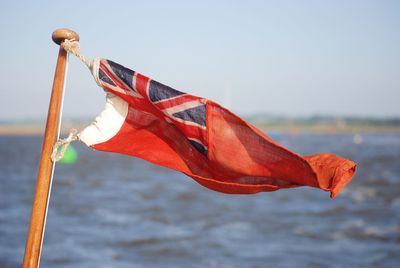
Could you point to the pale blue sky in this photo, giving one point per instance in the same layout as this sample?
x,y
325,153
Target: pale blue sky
x,y
295,58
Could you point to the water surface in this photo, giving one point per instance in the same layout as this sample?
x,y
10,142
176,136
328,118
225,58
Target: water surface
x,y
109,210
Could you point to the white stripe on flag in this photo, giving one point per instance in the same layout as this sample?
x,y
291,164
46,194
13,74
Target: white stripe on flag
x,y
182,107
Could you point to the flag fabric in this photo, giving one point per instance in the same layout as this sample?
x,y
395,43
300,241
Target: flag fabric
x,y
196,136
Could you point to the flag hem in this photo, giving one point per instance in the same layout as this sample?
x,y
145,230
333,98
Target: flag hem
x,y
108,124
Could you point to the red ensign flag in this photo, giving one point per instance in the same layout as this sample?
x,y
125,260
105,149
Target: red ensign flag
x,y
200,138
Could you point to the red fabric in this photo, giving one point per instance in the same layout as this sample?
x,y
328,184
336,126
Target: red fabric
x,y
241,159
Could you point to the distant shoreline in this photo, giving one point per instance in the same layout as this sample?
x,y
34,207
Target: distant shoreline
x,y
35,129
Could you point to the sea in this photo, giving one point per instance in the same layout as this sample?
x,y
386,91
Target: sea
x,y
110,210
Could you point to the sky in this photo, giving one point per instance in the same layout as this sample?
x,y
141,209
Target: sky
x,y
293,58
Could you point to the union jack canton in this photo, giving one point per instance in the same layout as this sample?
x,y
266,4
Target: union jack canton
x,y
186,112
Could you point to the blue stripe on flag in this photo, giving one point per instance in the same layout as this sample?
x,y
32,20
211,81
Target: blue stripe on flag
x,y
103,77
158,91
199,147
196,115
125,74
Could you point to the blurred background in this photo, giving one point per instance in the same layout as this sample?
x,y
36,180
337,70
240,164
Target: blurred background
x,y
317,76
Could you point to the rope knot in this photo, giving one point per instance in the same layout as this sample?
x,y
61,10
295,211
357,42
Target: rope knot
x,y
61,145
73,46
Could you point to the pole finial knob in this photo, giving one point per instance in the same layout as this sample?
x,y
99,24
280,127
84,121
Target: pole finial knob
x,y
62,34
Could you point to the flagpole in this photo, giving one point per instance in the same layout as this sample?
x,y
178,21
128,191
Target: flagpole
x,y
43,185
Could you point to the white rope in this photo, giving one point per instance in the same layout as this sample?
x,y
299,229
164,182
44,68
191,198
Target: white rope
x,y
73,47
59,148
62,144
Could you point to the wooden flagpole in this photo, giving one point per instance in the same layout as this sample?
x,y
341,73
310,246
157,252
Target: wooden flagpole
x,y
39,208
